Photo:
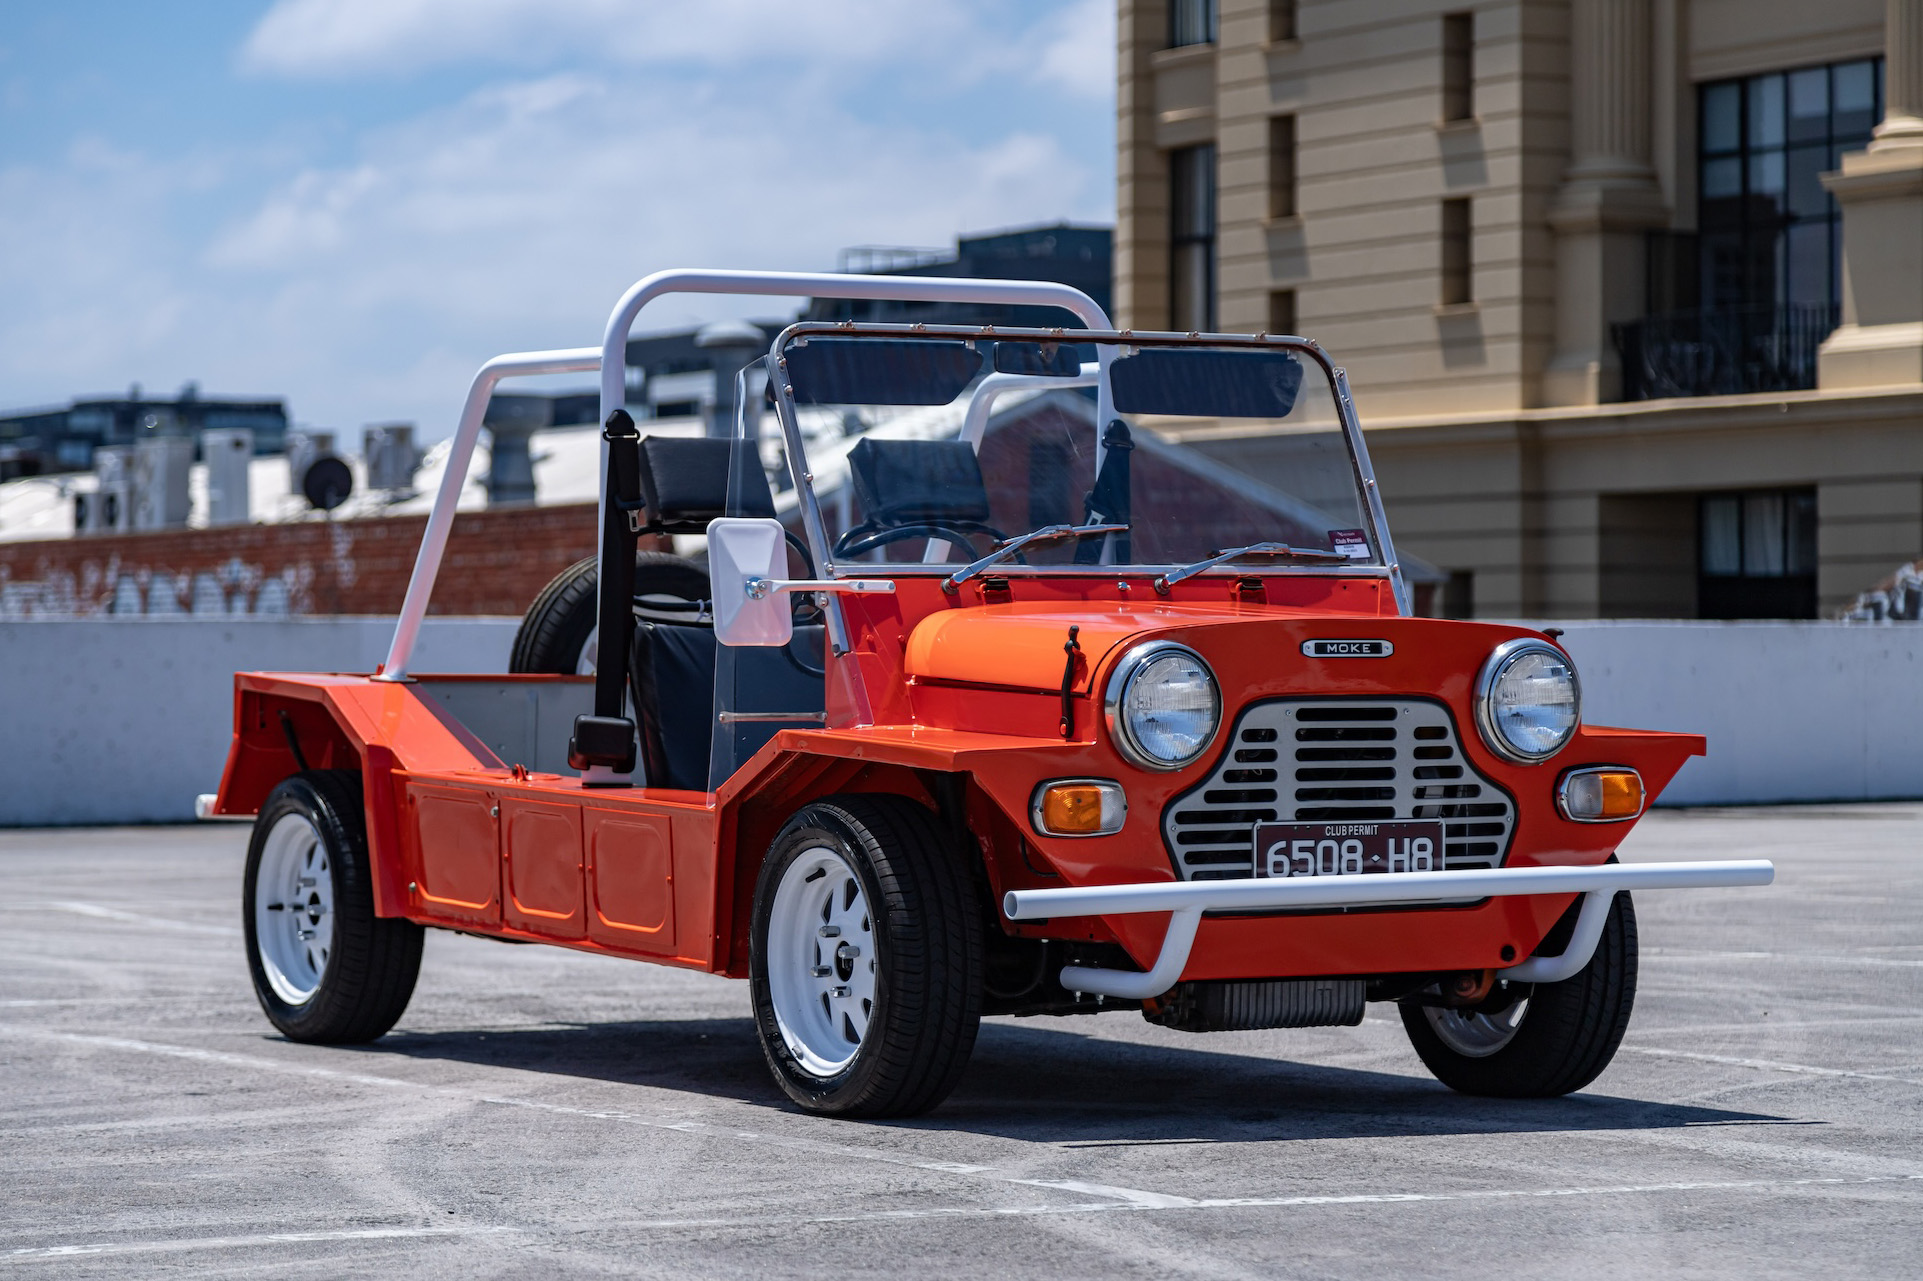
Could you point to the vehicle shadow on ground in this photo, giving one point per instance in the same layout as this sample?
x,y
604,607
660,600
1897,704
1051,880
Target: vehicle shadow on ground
x,y
1060,1085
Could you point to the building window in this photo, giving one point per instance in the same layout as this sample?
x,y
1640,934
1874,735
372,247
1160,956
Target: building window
x,y
1756,554
1456,265
1459,594
1191,22
1771,236
1192,238
1281,20
1281,166
1282,312
1458,66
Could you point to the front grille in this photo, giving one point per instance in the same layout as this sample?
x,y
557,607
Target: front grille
x,y
1334,761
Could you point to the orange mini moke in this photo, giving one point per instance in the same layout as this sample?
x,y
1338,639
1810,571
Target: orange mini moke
x,y
989,699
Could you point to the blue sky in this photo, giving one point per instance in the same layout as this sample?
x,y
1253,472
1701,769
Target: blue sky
x,y
352,203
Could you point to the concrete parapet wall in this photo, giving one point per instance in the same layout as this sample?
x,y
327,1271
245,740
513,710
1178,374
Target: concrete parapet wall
x,y
126,720
121,721
1793,711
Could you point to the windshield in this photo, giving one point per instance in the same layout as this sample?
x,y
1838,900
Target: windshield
x,y
940,447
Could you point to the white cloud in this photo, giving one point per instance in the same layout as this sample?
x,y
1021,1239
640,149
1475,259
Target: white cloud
x,y
1077,49
354,37
513,214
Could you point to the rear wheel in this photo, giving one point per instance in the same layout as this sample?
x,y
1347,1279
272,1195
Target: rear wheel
x,y
326,969
1536,1041
560,632
867,959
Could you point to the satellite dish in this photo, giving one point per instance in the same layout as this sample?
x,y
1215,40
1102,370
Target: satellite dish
x,y
327,482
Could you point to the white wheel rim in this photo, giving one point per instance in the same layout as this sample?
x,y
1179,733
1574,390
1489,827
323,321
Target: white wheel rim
x,y
821,961
1473,1034
294,908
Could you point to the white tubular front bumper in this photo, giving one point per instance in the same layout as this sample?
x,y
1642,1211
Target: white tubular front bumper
x,y
1188,900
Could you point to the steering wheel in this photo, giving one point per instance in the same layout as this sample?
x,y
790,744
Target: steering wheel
x,y
854,544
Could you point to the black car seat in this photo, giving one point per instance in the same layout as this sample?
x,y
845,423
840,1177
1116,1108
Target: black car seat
x,y
673,667
910,488
674,674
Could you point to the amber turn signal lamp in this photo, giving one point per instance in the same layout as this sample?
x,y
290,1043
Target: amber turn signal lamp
x,y
1079,807
1603,795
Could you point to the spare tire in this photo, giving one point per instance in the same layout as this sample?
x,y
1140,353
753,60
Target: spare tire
x,y
559,628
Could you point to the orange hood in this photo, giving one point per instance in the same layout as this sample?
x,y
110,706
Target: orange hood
x,y
1021,646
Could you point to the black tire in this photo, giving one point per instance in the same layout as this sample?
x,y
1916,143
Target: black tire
x,y
372,962
927,975
557,625
1569,1030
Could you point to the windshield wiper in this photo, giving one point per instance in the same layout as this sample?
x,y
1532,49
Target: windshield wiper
x,y
1163,583
1034,538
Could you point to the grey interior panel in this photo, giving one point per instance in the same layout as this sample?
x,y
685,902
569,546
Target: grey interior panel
x,y
524,722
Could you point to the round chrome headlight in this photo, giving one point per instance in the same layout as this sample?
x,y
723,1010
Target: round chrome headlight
x,y
1163,705
1527,701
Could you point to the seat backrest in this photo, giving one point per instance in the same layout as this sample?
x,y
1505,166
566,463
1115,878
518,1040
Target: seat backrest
x,y
685,482
673,676
910,482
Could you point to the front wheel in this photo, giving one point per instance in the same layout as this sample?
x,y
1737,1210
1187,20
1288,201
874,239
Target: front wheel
x,y
326,969
1531,1042
867,959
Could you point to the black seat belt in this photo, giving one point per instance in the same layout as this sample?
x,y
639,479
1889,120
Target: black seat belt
x,y
607,737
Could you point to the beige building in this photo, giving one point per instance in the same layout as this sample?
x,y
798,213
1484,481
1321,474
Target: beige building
x,y
1630,291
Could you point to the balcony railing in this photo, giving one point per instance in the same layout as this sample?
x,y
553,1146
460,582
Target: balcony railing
x,y
1722,353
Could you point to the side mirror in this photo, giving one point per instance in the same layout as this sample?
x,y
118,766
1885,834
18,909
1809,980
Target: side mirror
x,y
746,563
741,552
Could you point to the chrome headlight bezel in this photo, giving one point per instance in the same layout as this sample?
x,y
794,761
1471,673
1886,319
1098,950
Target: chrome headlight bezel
x,y
1115,705
1499,661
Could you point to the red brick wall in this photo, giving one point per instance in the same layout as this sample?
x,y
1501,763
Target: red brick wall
x,y
495,563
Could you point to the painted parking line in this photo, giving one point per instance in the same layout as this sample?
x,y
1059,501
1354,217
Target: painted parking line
x,y
1115,1198
100,912
1147,1203
1768,1065
34,1254
1794,958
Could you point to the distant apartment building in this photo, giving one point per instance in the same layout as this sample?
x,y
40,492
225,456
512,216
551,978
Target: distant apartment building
x,y
1060,252
41,442
1631,291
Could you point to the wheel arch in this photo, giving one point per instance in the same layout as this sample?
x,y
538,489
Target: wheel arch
x,y
282,728
752,817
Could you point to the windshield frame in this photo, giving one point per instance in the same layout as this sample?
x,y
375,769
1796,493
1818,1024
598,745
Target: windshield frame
x,y
1111,341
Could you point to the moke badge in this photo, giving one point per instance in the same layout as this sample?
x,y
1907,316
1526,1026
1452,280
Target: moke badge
x,y
1347,648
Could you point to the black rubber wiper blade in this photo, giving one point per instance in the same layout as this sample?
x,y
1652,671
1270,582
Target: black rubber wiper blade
x,y
1034,538
1277,550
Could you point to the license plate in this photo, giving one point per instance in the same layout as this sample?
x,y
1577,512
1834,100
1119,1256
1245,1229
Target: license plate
x,y
1346,849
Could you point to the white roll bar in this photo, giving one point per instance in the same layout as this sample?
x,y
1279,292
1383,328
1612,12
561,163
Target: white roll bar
x,y
440,521
990,389
611,360
1187,900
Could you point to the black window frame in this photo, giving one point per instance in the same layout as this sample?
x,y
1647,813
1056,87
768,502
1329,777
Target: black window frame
x,y
1192,22
1787,590
1458,67
1764,270
1193,218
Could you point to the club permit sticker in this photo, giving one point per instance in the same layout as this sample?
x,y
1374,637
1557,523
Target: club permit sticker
x,y
1352,543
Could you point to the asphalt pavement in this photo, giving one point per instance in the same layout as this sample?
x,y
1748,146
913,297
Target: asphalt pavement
x,y
540,1112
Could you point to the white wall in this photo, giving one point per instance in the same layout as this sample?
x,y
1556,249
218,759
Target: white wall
x,y
1793,711
125,721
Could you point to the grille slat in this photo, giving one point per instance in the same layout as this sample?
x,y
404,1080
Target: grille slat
x,y
1346,759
